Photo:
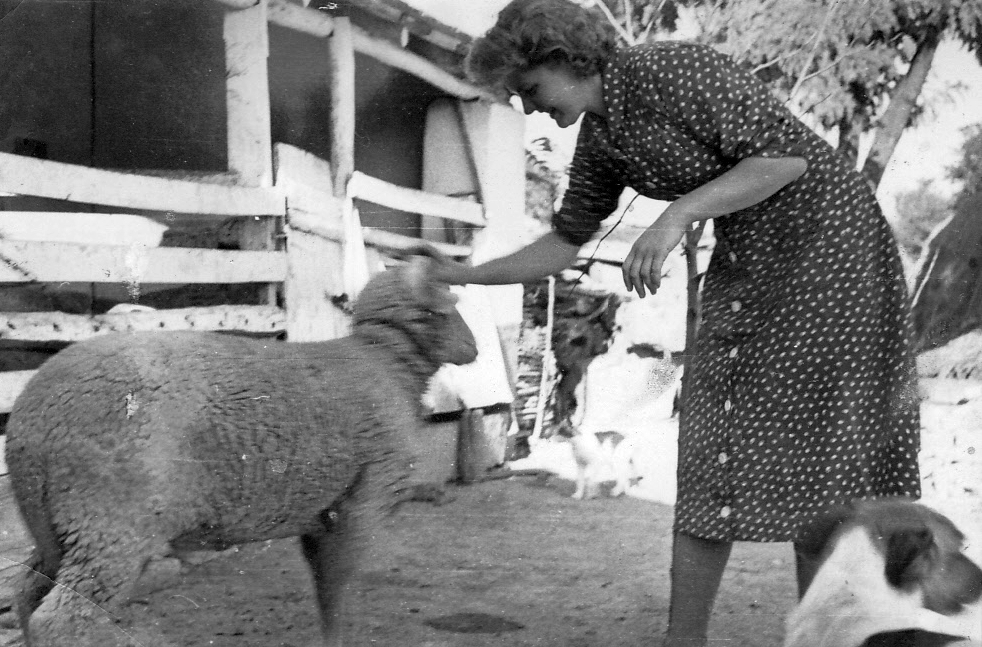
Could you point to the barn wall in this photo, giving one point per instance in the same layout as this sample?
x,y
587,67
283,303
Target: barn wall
x,y
159,90
45,79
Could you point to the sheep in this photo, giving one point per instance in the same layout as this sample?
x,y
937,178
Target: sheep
x,y
137,446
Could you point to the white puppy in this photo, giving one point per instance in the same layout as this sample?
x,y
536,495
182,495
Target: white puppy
x,y
600,457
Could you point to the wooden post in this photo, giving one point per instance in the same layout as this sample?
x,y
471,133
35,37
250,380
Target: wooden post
x,y
247,95
314,267
250,155
470,430
341,55
342,69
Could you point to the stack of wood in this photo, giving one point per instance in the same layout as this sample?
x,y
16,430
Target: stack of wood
x,y
553,358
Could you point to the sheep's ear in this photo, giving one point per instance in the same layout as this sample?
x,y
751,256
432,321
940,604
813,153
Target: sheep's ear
x,y
418,277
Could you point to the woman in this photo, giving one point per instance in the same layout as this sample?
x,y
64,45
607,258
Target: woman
x,y
800,384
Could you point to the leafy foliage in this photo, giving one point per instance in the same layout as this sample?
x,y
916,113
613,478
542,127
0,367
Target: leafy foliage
x,y
545,175
919,212
948,293
969,169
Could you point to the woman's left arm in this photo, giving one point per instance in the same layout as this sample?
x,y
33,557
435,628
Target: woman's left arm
x,y
752,180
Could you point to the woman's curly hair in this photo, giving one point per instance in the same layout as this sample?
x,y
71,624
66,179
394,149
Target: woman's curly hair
x,y
530,33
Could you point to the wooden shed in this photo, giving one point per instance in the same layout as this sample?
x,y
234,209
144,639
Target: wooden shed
x,y
238,165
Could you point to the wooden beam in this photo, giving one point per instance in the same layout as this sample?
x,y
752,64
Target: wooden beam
x,y
309,21
400,243
305,170
342,82
46,179
249,137
316,23
403,198
28,262
394,56
314,261
247,95
308,223
238,4
287,14
418,22
59,326
83,227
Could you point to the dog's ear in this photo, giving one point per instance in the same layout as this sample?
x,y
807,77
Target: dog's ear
x,y
909,554
958,582
928,558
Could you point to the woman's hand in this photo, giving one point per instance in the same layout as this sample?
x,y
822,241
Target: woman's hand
x,y
444,268
642,267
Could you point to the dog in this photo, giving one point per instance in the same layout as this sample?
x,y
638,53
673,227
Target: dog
x,y
890,573
598,456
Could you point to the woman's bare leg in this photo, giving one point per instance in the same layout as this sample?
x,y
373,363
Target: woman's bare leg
x,y
697,568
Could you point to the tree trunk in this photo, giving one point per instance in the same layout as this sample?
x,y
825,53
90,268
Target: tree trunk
x,y
902,101
848,140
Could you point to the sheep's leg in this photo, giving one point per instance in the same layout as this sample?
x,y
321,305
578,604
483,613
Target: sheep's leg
x,y
37,583
85,606
330,554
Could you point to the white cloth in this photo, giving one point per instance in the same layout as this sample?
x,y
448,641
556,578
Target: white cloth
x,y
483,382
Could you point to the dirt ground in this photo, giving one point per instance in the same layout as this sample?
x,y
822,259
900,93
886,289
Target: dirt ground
x,y
514,562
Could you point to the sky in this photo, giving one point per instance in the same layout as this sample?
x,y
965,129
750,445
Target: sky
x,y
923,153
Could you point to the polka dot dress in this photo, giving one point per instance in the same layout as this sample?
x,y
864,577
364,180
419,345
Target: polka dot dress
x,y
801,385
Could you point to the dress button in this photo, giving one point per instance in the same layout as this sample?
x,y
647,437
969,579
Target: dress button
x,y
727,406
725,511
733,352
723,457
735,306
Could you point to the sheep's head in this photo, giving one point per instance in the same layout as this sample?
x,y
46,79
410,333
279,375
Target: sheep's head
x,y
424,311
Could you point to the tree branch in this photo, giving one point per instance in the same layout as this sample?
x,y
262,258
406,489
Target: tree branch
x,y
628,17
902,102
811,55
628,38
771,63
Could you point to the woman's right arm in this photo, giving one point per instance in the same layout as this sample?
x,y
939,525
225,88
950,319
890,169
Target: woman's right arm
x,y
594,187
544,257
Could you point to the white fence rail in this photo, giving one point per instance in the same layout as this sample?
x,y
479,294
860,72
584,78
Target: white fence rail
x,y
46,179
